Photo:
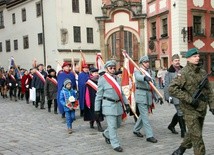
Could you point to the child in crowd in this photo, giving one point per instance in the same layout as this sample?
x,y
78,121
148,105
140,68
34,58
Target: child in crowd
x,y
67,99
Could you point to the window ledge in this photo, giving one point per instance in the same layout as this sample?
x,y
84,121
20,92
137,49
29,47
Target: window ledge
x,y
199,35
153,38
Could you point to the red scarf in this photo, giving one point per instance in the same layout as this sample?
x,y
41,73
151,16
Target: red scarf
x,y
117,88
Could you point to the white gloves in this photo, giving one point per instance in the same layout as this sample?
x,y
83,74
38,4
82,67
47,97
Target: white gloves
x,y
170,99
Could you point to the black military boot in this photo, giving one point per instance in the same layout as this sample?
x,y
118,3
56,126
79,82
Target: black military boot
x,y
99,127
182,126
172,125
92,124
179,151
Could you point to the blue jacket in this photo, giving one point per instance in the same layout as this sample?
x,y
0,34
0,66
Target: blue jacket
x,y
64,96
60,79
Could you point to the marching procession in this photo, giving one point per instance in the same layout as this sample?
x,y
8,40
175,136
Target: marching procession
x,y
101,94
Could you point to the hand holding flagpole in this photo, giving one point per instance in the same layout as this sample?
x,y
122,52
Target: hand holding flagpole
x,y
143,72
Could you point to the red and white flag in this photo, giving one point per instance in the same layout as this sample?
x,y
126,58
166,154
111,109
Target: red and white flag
x,y
128,83
99,61
83,60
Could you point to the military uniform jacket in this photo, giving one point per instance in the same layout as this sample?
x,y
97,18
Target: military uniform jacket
x,y
105,90
169,76
185,84
143,93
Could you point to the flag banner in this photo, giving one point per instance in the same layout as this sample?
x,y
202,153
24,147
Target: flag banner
x,y
12,64
83,60
99,61
128,83
144,73
58,67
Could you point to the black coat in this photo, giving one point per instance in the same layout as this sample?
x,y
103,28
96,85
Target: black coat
x,y
89,112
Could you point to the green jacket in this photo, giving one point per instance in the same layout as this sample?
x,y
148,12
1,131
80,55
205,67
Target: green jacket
x,y
185,84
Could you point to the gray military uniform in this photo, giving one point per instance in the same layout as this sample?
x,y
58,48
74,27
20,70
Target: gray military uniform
x,y
143,98
108,100
170,75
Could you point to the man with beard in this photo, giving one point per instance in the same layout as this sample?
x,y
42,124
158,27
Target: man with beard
x,y
91,90
178,116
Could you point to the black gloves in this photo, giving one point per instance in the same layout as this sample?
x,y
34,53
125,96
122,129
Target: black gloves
x,y
212,111
127,108
195,103
146,78
97,113
160,100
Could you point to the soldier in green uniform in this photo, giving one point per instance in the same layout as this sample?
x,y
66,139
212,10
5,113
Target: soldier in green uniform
x,y
183,87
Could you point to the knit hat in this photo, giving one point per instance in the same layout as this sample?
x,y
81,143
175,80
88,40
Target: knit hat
x,y
144,58
191,52
175,56
66,82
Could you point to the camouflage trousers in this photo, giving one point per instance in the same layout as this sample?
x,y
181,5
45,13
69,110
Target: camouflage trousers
x,y
194,136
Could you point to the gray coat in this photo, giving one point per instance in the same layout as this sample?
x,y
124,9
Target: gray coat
x,y
105,90
50,90
143,93
169,76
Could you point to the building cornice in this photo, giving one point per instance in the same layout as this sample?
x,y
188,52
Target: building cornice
x,y
12,3
158,14
2,2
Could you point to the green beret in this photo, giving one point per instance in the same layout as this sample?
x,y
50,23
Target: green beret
x,y
144,58
191,52
110,63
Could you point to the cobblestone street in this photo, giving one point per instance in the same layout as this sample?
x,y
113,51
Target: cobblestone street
x,y
25,130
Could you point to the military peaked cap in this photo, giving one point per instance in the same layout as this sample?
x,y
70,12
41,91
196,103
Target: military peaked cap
x,y
144,58
110,63
175,56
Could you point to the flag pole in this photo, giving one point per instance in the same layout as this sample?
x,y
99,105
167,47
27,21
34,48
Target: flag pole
x,y
143,72
59,63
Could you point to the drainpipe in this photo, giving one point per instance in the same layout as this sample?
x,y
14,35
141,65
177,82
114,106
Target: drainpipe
x,y
43,33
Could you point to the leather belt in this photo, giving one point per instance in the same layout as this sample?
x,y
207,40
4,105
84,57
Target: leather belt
x,y
109,99
146,89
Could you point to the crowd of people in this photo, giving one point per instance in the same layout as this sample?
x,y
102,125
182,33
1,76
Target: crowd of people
x,y
99,96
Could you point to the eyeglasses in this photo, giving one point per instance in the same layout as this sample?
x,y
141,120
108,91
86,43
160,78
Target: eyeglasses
x,y
112,68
